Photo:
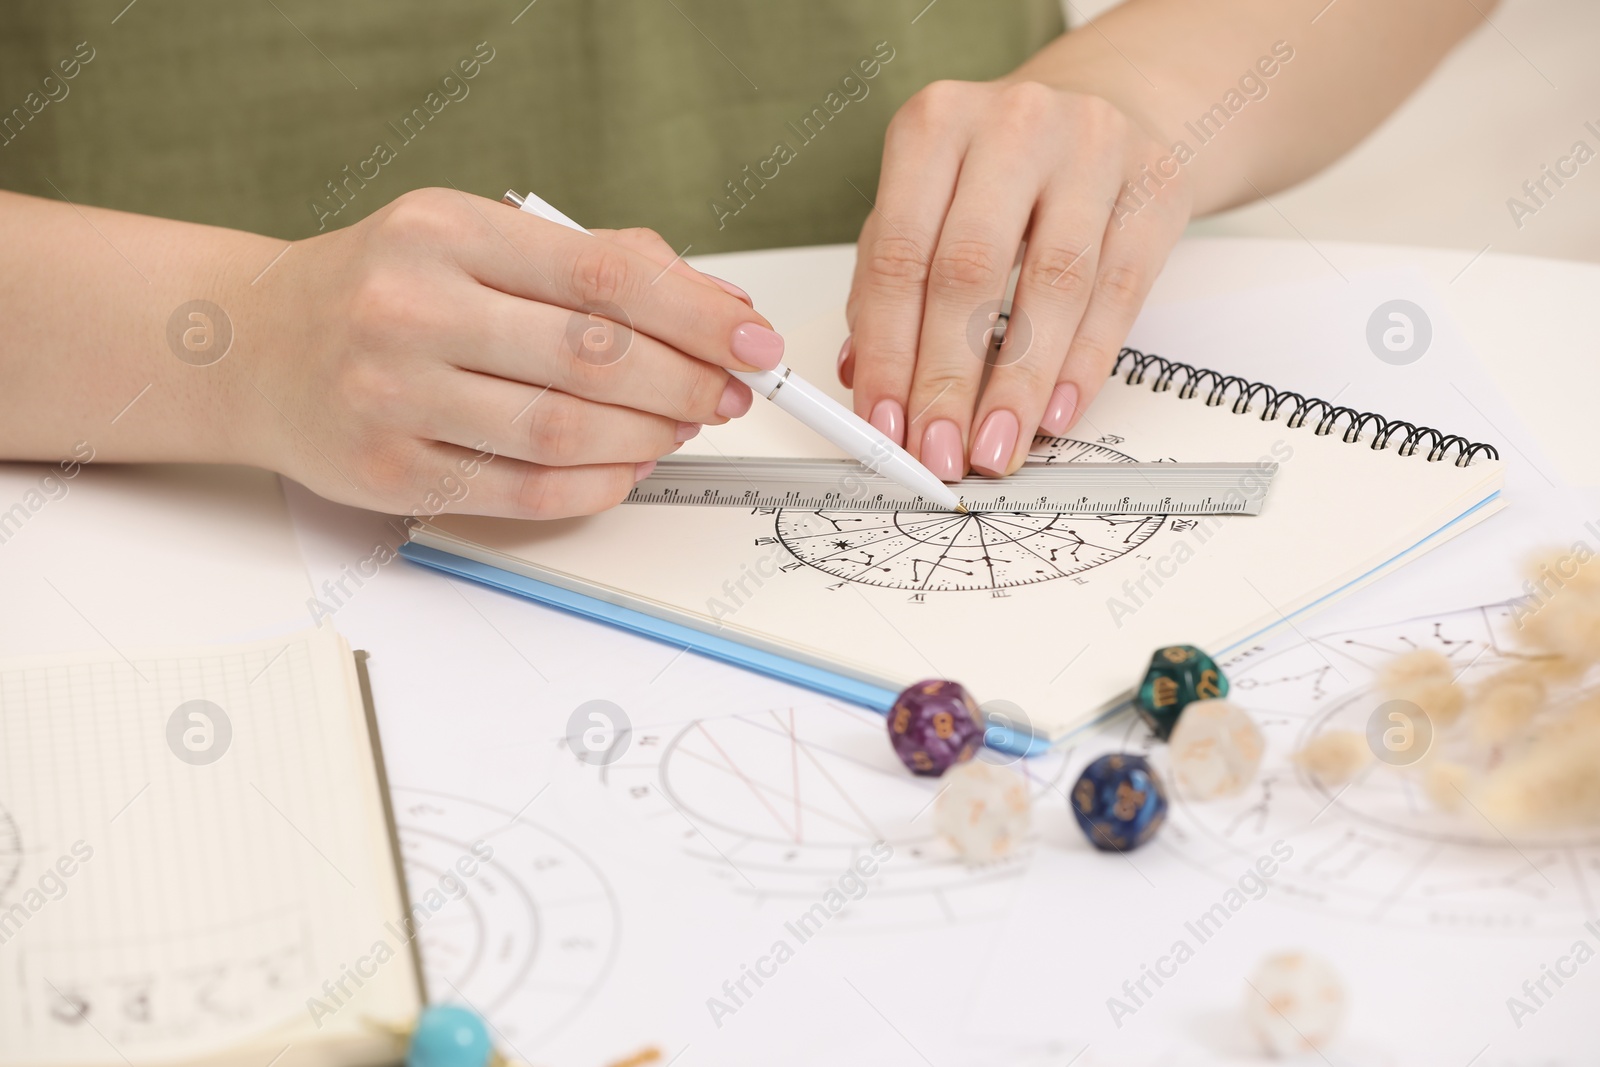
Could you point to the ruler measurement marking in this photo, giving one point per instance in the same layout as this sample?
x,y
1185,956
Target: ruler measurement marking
x,y
1066,489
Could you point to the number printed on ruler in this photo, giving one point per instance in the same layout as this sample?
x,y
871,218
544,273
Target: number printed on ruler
x,y
1107,484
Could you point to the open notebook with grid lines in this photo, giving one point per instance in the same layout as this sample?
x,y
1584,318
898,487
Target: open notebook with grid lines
x,y
194,842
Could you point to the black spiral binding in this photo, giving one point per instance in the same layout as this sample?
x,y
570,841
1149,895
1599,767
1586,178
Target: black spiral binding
x,y
1248,395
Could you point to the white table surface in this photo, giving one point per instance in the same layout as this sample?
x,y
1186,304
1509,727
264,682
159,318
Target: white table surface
x,y
473,687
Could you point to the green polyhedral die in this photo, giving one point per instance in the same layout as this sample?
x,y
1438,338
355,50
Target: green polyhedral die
x,y
1178,676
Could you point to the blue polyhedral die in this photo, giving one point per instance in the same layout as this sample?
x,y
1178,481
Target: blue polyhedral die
x,y
1119,802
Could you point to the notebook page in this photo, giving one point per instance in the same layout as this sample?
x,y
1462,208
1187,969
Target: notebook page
x,y
1055,615
189,849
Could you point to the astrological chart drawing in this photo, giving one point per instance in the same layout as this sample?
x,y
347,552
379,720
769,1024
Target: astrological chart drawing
x,y
991,551
10,852
1378,849
534,936
779,802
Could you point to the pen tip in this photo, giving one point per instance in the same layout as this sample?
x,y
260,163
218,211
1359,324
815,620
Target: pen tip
x,y
961,508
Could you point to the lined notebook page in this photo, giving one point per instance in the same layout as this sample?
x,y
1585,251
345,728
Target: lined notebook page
x,y
179,877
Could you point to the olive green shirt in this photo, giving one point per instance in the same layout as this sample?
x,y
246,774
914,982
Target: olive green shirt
x,y
722,124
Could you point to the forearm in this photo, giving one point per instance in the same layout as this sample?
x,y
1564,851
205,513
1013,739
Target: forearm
x,y
1168,63
87,297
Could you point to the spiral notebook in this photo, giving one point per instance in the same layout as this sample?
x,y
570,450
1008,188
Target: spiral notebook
x,y
1054,616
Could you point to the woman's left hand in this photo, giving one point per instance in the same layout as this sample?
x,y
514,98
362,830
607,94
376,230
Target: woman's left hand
x,y
970,172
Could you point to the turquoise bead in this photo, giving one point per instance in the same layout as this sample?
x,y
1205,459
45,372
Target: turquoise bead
x,y
448,1035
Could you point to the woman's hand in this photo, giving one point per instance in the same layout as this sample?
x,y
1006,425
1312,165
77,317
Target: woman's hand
x,y
970,172
529,370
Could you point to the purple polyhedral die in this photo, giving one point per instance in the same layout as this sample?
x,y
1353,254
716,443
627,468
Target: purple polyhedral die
x,y
935,725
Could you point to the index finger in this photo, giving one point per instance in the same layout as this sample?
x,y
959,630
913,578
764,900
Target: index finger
x,y
654,247
529,257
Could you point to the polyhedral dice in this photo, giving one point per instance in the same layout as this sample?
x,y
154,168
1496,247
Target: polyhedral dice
x,y
983,811
1119,802
1178,676
1215,750
935,725
1294,1003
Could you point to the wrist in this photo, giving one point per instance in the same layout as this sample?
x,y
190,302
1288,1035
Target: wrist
x,y
247,391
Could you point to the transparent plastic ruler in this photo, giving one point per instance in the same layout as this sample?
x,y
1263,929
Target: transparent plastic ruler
x,y
1062,488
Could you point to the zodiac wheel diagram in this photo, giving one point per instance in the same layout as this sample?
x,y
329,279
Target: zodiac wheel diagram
x,y
1377,847
779,802
989,550
535,933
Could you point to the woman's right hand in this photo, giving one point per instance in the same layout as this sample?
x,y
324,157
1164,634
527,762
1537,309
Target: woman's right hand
x,y
450,353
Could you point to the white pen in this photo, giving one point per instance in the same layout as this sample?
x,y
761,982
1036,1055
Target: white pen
x,y
814,408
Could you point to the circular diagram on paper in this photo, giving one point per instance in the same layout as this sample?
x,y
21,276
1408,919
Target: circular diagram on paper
x,y
535,933
981,550
780,802
1378,848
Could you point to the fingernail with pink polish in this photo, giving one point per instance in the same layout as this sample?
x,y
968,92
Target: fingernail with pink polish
x,y
889,419
996,440
1059,411
686,430
641,471
847,365
757,345
730,289
941,450
736,399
